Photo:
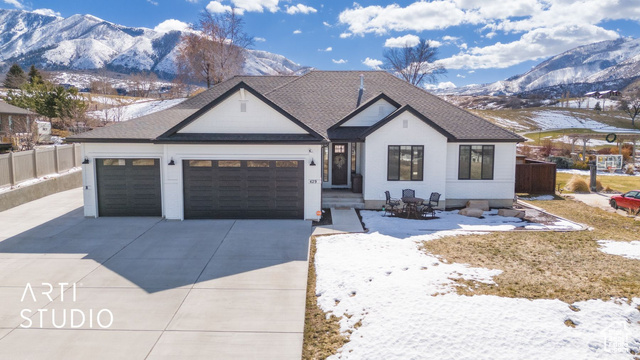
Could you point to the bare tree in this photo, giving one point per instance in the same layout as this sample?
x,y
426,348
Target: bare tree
x,y
144,83
415,64
214,50
632,108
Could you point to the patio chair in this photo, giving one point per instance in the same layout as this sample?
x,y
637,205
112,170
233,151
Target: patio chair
x,y
391,205
408,193
429,207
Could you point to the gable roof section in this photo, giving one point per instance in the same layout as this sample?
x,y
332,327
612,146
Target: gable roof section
x,y
240,85
414,112
319,101
6,108
365,106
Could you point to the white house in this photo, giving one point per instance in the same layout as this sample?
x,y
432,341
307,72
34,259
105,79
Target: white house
x,y
269,146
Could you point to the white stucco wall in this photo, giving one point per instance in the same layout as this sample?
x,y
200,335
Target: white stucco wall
x,y
372,114
259,118
171,176
416,132
502,187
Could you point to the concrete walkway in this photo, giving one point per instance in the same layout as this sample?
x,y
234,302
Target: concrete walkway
x,y
344,221
599,200
200,289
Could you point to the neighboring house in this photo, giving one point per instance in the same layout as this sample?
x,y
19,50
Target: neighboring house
x,y
267,146
16,126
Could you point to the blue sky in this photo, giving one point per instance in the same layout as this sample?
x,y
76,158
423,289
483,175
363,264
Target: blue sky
x,y
479,41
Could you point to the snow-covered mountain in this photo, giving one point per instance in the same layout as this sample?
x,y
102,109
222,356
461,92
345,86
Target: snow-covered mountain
x,y
600,66
85,42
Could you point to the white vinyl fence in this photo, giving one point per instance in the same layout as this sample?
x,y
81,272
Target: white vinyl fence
x,y
26,165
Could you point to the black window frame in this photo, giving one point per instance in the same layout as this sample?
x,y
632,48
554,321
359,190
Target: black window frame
x,y
420,176
483,176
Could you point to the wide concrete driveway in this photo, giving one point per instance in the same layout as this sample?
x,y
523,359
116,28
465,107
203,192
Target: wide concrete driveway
x,y
199,289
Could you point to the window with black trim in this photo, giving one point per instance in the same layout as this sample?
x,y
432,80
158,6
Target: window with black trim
x,y
405,163
476,162
325,163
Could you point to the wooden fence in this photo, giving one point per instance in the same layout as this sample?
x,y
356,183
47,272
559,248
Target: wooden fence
x,y
536,177
26,165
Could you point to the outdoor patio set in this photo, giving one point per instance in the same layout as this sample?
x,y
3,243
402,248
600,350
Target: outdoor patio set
x,y
410,206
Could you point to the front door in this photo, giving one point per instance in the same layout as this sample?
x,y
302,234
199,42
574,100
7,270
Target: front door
x,y
339,169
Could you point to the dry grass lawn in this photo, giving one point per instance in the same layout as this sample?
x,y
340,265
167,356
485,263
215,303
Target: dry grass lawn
x,y
617,183
551,265
322,337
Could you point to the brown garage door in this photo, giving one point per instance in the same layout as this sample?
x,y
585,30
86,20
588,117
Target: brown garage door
x,y
129,187
243,189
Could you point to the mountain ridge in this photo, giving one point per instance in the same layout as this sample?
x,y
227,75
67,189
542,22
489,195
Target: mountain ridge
x,y
610,64
86,42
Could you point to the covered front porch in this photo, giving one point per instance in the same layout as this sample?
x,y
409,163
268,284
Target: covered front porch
x,y
343,166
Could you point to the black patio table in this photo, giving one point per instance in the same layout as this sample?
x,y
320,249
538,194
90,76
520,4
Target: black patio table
x,y
412,205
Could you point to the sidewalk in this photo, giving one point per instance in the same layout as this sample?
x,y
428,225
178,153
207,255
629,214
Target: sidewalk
x,y
344,221
598,200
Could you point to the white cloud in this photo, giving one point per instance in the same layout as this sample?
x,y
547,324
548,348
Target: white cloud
x,y
15,3
171,25
192,1
297,31
341,61
300,8
327,49
401,41
259,39
345,35
372,63
47,12
534,45
256,5
419,16
216,7
460,76
464,46
471,71
326,24
155,3
450,38
442,85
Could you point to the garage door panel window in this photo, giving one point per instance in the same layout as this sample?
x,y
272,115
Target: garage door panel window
x,y
114,162
287,164
200,163
258,163
229,163
143,162
476,162
405,163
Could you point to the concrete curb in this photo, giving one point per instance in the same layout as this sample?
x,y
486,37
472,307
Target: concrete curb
x,y
24,194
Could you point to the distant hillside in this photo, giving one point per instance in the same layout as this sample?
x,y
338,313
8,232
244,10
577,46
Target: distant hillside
x,y
604,65
85,42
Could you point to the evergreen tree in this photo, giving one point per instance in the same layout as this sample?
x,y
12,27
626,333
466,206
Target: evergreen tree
x,y
34,76
15,77
597,107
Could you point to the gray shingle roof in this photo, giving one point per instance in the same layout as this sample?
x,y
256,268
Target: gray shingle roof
x,y
14,110
319,99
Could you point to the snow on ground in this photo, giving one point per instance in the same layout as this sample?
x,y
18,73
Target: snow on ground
x,y
35,181
593,142
537,198
406,303
587,173
548,120
135,110
630,250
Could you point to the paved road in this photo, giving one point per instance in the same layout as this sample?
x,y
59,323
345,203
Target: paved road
x,y
222,289
598,200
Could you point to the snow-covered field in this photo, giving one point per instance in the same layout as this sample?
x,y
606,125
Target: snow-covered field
x,y
630,250
134,110
401,303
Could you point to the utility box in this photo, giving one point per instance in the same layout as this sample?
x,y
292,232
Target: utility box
x,y
356,183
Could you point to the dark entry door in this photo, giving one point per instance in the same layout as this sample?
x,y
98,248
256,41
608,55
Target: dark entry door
x,y
243,189
129,187
339,169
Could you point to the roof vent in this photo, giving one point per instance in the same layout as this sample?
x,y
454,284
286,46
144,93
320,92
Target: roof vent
x,y
361,91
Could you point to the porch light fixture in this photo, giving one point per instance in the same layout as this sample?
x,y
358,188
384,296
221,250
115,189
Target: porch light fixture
x,y
312,163
85,161
172,162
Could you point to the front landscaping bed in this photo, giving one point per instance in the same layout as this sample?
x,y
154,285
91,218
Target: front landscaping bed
x,y
408,289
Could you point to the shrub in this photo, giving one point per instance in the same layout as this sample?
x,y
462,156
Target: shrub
x,y
630,170
577,184
581,165
561,162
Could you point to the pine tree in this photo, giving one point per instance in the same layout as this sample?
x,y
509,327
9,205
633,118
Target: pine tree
x,y
34,76
15,77
597,107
